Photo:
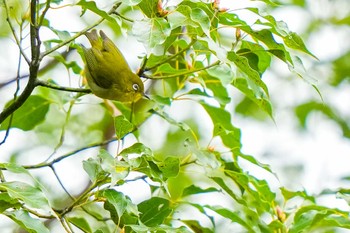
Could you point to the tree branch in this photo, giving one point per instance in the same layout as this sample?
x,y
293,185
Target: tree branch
x,y
33,67
43,83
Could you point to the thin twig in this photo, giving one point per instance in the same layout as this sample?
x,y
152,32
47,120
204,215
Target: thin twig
x,y
46,164
14,33
43,69
171,57
17,88
42,17
63,43
183,73
123,17
60,182
38,214
56,87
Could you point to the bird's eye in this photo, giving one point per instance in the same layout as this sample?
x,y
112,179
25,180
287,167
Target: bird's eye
x,y
135,87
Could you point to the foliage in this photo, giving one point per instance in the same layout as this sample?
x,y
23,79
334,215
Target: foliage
x,y
193,178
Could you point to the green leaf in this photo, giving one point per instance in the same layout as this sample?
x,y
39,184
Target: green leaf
x,y
253,160
91,5
8,202
233,216
23,219
31,196
169,119
180,17
131,2
195,226
170,167
69,65
80,223
318,217
223,73
154,211
120,202
29,115
269,2
288,194
117,169
266,37
193,190
122,210
149,7
230,135
294,41
151,32
168,69
93,169
252,75
263,57
137,148
299,69
304,110
229,190
262,102
122,126
201,18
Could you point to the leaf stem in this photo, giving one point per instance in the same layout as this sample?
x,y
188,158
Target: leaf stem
x,y
171,57
183,73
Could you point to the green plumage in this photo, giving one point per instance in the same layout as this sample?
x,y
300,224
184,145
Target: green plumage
x,y
107,72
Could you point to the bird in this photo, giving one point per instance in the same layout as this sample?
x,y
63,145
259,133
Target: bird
x,y
107,72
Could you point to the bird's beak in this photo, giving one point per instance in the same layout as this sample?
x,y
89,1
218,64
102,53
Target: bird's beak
x,y
145,96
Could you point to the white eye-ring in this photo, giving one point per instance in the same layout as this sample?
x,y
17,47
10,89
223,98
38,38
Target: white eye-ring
x,y
135,87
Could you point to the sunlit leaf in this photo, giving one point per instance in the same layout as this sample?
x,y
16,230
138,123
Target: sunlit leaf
x,y
122,126
91,5
93,169
28,223
149,7
230,135
31,196
309,216
117,169
243,64
151,32
294,41
131,2
233,216
117,199
120,207
80,223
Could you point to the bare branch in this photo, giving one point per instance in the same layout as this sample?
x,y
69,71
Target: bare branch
x,y
43,83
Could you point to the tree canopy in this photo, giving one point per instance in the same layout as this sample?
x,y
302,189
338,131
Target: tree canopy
x,y
72,162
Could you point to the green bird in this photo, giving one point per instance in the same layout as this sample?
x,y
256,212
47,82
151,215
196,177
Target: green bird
x,y
107,72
